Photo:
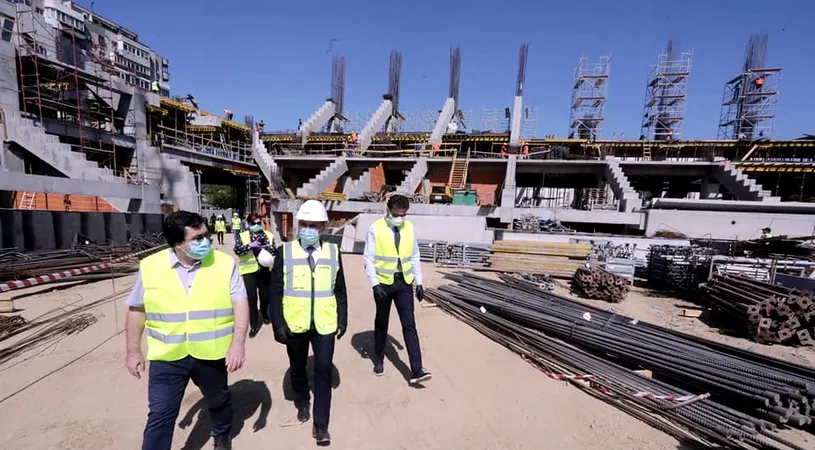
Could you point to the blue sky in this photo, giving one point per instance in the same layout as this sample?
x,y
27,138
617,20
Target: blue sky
x,y
268,58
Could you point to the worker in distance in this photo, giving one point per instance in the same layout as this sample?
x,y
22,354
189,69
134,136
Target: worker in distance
x,y
394,269
190,302
255,250
309,305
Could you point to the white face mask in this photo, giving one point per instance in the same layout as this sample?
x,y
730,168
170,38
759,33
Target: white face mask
x,y
395,221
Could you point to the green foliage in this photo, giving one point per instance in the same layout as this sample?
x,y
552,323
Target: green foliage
x,y
222,197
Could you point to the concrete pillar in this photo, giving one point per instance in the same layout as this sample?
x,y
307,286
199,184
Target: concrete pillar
x,y
508,192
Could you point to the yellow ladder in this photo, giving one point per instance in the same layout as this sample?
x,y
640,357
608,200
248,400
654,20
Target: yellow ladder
x,y
458,171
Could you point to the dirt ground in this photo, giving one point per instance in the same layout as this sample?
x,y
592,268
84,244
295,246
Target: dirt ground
x,y
481,397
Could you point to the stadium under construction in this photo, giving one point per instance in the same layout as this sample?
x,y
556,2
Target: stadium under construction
x,y
89,123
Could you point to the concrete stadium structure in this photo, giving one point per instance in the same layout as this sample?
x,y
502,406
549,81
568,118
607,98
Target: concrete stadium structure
x,y
86,111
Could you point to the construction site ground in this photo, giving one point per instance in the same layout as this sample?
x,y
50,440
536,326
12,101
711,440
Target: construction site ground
x,y
481,396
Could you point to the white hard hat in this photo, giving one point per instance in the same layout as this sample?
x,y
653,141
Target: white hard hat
x,y
235,214
265,258
312,211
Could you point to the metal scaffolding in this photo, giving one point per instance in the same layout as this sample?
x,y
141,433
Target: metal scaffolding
x,y
750,99
65,76
666,95
495,120
589,95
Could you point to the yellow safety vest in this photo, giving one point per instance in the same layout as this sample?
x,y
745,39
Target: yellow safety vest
x,y
236,224
247,263
178,324
220,226
308,294
387,256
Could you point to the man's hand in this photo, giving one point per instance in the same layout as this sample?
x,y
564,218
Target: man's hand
x,y
379,293
340,332
419,292
282,334
235,357
135,363
254,244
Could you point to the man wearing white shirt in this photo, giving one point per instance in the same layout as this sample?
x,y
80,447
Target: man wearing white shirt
x,y
393,268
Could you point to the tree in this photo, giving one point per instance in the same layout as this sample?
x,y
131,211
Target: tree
x,y
221,197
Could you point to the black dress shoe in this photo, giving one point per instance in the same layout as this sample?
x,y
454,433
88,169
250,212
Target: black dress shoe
x,y
303,413
223,442
321,435
379,368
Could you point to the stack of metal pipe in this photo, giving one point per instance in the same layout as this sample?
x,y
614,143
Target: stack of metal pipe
x,y
678,268
771,313
594,282
750,395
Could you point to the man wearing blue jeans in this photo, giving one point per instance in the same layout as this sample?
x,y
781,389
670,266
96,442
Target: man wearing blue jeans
x,y
191,304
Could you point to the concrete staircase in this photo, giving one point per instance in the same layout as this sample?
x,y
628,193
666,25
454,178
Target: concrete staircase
x,y
414,177
178,184
375,123
355,189
47,147
323,179
628,196
317,120
742,186
444,119
265,161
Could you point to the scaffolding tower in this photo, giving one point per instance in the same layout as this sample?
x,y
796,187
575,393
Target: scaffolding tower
x,y
750,99
666,95
64,75
589,95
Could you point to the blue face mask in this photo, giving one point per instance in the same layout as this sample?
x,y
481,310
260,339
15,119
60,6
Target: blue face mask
x,y
309,236
199,249
256,228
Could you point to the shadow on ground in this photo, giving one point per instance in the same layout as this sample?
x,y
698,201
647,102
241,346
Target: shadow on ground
x,y
247,397
288,393
363,343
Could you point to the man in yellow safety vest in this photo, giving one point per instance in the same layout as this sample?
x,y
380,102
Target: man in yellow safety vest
x,y
393,267
191,303
309,304
255,250
236,224
220,228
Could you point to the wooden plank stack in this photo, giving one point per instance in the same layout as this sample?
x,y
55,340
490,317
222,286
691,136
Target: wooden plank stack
x,y
594,282
556,259
770,313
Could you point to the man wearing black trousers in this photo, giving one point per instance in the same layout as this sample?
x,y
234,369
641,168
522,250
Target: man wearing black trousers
x,y
393,267
309,305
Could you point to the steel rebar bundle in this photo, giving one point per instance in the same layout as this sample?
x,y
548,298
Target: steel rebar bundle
x,y
770,313
678,268
600,284
750,393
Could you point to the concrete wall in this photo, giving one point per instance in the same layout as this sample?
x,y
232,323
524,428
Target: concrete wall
x,y
727,225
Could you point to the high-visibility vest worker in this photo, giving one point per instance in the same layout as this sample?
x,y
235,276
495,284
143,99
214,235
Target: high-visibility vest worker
x,y
387,256
236,223
220,226
308,295
154,86
176,327
247,263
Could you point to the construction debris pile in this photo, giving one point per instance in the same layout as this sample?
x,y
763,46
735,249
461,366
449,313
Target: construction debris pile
x,y
16,265
457,254
600,284
770,313
9,324
555,259
530,222
693,388
678,268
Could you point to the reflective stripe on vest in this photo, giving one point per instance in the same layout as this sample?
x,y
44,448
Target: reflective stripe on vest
x,y
173,329
247,263
309,296
386,255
